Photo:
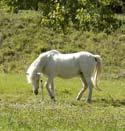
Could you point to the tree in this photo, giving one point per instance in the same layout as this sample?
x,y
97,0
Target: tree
x,y
96,15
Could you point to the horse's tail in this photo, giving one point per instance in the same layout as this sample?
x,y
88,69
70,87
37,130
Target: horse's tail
x,y
97,71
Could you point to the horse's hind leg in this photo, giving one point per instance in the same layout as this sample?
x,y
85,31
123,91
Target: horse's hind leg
x,y
80,93
84,87
90,86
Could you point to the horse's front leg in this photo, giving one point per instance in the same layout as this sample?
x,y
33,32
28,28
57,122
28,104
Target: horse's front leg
x,y
49,87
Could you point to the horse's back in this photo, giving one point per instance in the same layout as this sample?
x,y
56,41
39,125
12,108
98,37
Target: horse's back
x,y
54,52
76,63
66,65
49,53
73,59
70,65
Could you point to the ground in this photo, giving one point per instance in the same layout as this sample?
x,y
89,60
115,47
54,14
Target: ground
x,y
20,110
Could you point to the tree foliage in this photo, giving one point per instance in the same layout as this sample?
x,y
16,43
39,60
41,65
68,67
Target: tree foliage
x,y
96,15
82,14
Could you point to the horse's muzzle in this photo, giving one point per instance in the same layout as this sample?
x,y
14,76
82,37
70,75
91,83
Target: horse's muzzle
x,y
35,92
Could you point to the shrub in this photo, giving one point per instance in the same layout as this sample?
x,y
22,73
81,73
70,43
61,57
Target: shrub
x,y
96,15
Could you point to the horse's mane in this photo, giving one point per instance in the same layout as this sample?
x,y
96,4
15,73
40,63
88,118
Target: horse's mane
x,y
33,68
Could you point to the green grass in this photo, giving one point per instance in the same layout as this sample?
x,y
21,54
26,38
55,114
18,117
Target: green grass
x,y
20,110
22,37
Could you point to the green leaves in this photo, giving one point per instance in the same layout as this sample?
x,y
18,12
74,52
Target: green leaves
x,y
82,14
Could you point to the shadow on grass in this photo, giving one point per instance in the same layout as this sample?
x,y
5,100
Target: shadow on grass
x,y
110,102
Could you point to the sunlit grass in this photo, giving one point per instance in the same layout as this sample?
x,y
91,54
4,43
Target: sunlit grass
x,y
20,110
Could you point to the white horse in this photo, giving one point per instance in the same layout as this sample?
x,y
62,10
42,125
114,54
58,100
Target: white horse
x,y
53,63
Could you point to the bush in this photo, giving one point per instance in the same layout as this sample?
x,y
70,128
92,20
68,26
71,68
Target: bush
x,y
83,14
96,15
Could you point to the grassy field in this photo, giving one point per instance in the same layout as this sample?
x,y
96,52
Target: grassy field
x,y
22,38
20,110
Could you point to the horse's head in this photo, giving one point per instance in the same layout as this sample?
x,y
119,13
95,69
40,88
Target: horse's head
x,y
33,74
34,80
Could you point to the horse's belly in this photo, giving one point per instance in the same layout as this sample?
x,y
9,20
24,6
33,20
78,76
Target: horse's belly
x,y
67,76
68,72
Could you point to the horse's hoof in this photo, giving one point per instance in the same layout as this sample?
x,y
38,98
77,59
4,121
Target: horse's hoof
x,y
89,101
77,98
53,99
35,92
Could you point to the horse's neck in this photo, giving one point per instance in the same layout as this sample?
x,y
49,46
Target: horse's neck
x,y
42,60
40,63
